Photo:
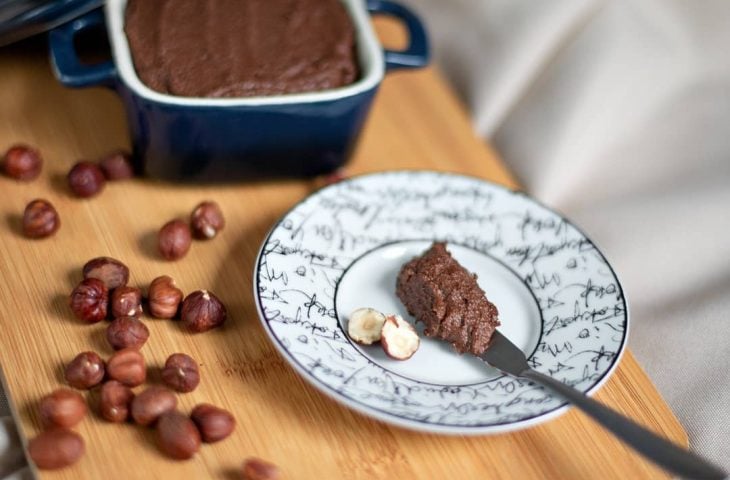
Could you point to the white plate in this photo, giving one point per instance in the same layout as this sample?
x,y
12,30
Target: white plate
x,y
342,247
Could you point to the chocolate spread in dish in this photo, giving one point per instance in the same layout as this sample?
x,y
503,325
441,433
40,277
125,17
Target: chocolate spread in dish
x,y
240,48
443,295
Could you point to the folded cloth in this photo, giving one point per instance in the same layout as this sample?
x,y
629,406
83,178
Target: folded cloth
x,y
618,113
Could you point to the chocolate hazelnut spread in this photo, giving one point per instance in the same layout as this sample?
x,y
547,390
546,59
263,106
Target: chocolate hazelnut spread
x,y
240,48
442,294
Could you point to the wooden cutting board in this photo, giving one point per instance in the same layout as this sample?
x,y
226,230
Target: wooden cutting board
x,y
416,123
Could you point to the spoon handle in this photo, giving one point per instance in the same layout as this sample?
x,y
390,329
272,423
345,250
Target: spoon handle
x,y
662,452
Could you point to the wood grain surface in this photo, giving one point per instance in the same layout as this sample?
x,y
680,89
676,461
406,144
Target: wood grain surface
x,y
416,122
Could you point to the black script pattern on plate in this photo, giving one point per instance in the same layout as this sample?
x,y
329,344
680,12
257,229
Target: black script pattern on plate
x,y
581,301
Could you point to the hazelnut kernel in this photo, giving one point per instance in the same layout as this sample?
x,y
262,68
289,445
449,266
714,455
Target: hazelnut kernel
x,y
151,403
335,177
115,401
62,408
173,240
257,469
398,338
181,373
125,332
40,219
202,311
85,179
85,370
365,325
127,366
214,423
117,166
206,220
56,448
126,302
22,163
177,435
89,300
164,297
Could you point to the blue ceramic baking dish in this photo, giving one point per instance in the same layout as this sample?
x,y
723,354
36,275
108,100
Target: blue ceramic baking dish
x,y
227,139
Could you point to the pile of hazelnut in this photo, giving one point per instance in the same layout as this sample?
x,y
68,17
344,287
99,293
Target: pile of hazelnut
x,y
103,293
87,179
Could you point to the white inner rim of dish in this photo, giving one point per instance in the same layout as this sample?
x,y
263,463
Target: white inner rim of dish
x,y
341,248
435,361
369,53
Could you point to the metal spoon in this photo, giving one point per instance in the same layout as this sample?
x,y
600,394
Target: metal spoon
x,y
507,357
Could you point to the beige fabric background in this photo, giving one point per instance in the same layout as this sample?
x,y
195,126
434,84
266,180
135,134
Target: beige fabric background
x,y
616,112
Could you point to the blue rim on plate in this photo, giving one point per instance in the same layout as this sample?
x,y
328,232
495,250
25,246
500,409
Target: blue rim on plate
x,y
20,19
341,248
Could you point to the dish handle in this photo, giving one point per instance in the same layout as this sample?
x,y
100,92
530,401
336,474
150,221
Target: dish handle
x,y
416,55
66,64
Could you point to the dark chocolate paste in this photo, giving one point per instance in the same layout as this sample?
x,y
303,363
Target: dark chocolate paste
x,y
240,48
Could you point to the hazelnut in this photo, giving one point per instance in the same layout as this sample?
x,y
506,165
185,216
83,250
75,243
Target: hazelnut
x,y
151,403
85,370
365,325
181,373
177,435
89,300
22,163
335,177
164,297
117,166
115,401
174,240
206,220
126,302
125,332
109,270
85,179
56,448
127,366
201,311
62,408
257,469
40,219
398,338
214,423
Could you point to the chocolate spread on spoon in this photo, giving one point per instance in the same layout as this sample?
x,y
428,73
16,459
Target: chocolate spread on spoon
x,y
441,293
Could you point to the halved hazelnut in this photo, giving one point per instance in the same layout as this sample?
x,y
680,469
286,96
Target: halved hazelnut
x,y
398,337
365,325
